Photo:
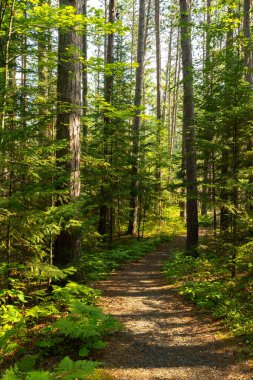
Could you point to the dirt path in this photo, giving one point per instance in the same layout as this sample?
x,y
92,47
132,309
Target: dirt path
x,y
164,337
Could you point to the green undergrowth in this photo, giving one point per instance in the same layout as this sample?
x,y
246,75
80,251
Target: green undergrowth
x,y
207,281
99,264
59,327
60,321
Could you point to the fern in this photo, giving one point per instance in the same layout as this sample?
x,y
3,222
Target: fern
x,y
41,311
41,271
15,295
39,375
73,291
12,373
27,363
65,370
88,324
69,370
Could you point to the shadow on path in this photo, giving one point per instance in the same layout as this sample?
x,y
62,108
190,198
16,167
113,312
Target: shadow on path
x,y
163,338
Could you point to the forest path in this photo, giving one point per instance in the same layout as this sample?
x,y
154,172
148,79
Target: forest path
x,y
164,338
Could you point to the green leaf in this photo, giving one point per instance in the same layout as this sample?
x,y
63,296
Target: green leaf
x,y
39,375
11,374
84,351
69,370
99,344
27,363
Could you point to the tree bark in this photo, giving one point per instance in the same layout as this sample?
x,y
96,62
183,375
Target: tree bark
x,y
189,129
104,212
209,132
68,123
158,172
248,63
247,43
132,225
225,214
85,75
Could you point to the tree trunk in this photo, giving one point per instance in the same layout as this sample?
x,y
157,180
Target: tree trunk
x,y
189,129
158,172
104,212
209,132
225,214
67,244
174,104
247,43
85,76
132,225
248,63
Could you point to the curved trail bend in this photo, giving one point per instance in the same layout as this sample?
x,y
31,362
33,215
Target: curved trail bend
x,y
164,337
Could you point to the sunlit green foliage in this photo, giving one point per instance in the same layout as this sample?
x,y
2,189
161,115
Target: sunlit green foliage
x,y
207,282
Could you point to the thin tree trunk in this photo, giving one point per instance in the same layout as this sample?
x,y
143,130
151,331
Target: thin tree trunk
x,y
225,215
6,63
248,62
209,134
147,27
85,76
166,93
132,40
132,225
104,212
174,105
158,172
189,129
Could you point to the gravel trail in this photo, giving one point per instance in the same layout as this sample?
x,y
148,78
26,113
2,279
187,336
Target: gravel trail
x,y
164,336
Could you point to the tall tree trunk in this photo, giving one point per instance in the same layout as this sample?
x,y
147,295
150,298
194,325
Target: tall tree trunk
x,y
132,58
158,172
85,75
174,105
166,93
208,132
225,214
67,244
104,212
248,62
132,225
6,61
188,128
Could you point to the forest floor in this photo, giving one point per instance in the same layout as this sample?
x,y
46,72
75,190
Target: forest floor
x,y
165,337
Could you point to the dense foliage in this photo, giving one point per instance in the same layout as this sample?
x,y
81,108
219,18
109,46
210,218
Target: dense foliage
x,y
105,131
207,282
53,321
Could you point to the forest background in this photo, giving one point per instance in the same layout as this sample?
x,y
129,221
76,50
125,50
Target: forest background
x,y
118,119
